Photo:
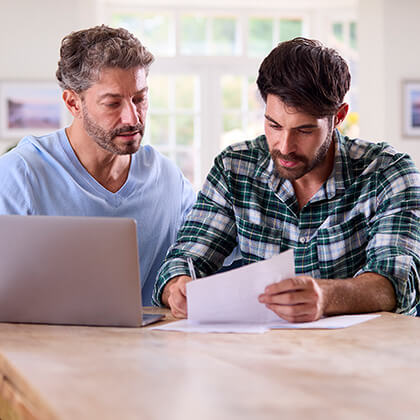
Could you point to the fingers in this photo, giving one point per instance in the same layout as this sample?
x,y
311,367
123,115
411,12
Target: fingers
x,y
177,300
295,283
299,299
292,297
297,313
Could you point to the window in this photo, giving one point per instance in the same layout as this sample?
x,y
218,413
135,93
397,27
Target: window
x,y
203,94
343,37
242,109
174,119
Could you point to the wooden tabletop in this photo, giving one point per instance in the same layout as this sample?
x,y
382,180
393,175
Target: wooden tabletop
x,y
368,371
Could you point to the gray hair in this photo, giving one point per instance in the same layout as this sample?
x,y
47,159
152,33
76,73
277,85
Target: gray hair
x,y
83,54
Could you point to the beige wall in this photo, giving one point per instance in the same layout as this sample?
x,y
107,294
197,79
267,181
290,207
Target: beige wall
x,y
389,53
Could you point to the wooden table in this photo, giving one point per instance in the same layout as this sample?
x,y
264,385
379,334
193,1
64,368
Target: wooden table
x,y
368,371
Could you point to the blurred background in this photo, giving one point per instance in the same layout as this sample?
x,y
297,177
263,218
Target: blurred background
x,y
203,95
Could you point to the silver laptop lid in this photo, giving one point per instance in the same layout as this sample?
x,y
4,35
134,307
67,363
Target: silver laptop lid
x,y
69,270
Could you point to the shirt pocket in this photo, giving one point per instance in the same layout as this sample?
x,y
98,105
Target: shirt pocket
x,y
259,242
342,248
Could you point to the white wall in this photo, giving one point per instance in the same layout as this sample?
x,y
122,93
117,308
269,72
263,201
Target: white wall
x,y
30,36
389,34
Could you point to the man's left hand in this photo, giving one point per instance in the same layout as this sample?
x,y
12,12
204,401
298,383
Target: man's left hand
x,y
298,299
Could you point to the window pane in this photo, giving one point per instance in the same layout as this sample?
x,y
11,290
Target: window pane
x,y
153,30
338,31
158,92
354,71
255,102
353,35
260,37
159,129
185,161
350,126
224,36
185,92
193,35
232,129
231,121
184,129
255,124
231,92
290,29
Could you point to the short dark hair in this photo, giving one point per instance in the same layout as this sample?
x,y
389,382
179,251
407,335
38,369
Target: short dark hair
x,y
305,75
83,54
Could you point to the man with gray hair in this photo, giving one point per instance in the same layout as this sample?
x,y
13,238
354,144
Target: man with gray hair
x,y
97,166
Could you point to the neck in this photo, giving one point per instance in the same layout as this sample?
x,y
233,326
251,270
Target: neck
x,y
309,184
109,169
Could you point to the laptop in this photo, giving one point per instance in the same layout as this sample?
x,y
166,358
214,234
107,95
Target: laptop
x,y
70,270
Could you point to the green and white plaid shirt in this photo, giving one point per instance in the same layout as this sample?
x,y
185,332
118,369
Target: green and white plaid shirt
x,y
365,218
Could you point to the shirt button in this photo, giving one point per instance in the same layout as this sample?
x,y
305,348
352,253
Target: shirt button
x,y
302,240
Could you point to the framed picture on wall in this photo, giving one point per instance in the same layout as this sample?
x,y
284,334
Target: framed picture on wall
x,y
30,108
411,108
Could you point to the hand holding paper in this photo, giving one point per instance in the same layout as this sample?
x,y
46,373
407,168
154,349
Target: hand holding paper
x,y
235,301
298,299
228,302
232,296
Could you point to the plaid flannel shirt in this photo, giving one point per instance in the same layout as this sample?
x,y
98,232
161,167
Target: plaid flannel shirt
x,y
365,218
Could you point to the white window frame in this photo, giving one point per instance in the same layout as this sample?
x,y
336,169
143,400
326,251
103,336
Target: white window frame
x,y
317,17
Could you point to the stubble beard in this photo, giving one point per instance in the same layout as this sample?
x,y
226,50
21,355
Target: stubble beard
x,y
105,139
293,174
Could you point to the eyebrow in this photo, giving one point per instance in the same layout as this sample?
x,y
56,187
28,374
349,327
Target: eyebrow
x,y
117,95
300,126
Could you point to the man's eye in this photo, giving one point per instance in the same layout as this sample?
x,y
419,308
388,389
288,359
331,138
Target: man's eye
x,y
305,131
140,100
112,104
275,126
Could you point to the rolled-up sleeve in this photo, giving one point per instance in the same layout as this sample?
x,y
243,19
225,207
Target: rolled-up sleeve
x,y
393,249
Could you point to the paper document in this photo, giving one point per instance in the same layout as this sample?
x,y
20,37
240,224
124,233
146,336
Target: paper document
x,y
329,322
228,302
232,296
223,327
332,322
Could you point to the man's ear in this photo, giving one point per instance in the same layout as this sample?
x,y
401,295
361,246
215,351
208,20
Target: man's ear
x,y
73,102
341,114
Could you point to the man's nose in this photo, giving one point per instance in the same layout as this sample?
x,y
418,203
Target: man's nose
x,y
286,143
129,114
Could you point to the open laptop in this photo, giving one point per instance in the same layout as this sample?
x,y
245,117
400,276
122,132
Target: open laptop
x,y
70,270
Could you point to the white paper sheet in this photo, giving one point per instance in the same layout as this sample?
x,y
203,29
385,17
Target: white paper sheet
x,y
333,322
228,302
188,326
232,296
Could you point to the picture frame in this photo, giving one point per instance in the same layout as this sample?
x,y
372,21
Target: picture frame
x,y
30,108
411,108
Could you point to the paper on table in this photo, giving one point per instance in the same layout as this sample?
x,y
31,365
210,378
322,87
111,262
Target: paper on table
x,y
228,302
188,326
232,296
333,322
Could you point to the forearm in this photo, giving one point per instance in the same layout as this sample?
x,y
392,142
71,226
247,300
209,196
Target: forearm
x,y
368,292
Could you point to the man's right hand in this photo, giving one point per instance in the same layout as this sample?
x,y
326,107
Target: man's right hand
x,y
175,296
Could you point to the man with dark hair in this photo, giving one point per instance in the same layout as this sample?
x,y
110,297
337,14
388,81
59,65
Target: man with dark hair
x,y
348,208
96,166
